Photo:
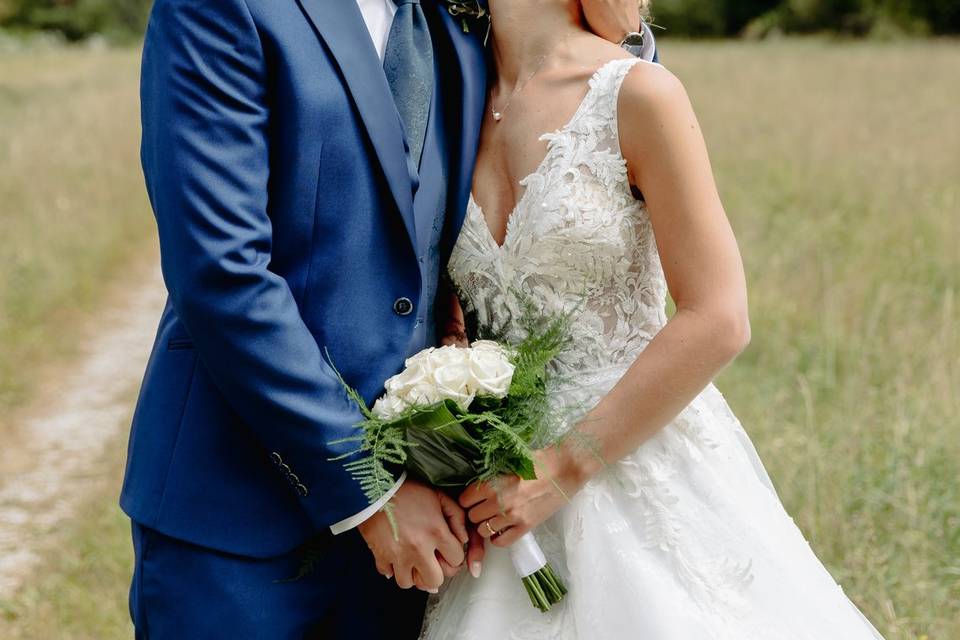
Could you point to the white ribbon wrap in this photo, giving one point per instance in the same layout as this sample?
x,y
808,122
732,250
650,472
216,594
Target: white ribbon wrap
x,y
527,556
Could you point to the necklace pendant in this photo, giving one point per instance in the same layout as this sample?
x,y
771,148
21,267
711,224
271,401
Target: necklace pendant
x,y
497,116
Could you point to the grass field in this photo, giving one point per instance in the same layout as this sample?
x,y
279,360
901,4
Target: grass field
x,y
839,168
72,204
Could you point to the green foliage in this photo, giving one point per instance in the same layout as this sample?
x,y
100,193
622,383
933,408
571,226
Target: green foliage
x,y
527,408
708,17
379,444
760,17
77,19
943,16
125,19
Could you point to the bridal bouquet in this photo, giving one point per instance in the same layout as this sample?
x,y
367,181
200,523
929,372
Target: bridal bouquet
x,y
455,416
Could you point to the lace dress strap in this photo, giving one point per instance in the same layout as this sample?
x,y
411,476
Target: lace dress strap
x,y
597,114
608,79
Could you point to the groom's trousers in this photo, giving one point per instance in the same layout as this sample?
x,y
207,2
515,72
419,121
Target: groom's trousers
x,y
182,591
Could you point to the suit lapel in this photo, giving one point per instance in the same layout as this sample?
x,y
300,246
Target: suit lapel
x,y
466,100
340,25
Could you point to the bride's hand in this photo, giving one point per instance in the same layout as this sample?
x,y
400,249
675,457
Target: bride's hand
x,y
456,340
508,507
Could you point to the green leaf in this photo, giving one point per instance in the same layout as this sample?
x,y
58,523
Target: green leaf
x,y
442,451
525,469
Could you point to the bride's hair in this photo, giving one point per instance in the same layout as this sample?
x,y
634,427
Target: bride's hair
x,y
644,9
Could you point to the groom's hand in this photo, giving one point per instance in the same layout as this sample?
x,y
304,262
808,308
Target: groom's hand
x,y
429,540
612,19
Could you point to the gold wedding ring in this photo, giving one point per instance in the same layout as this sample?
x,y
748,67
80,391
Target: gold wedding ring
x,y
490,529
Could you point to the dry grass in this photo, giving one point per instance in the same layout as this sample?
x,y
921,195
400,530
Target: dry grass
x,y
839,167
80,590
72,204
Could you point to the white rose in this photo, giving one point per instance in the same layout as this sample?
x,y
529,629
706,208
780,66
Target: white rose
x,y
487,345
420,395
417,372
492,346
388,407
452,378
490,371
445,355
421,358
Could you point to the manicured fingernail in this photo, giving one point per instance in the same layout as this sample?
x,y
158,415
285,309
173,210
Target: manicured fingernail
x,y
434,591
475,569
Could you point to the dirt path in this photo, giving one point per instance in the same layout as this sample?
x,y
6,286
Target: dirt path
x,y
53,457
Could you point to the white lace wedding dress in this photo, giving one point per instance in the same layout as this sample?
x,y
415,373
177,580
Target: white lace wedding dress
x,y
683,540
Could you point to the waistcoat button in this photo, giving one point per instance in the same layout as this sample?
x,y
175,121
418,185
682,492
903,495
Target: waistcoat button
x,y
403,307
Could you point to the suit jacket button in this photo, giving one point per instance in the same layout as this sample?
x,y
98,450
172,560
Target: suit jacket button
x,y
276,459
294,480
403,307
302,491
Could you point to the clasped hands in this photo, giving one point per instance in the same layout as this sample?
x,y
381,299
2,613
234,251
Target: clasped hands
x,y
430,543
436,536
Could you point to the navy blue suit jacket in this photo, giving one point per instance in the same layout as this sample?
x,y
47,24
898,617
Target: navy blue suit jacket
x,y
275,164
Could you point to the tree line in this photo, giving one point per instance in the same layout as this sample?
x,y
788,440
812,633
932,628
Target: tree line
x,y
117,19
77,19
758,18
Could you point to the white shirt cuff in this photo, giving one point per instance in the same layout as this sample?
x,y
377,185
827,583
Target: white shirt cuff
x,y
358,519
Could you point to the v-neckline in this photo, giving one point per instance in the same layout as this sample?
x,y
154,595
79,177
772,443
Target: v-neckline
x,y
591,85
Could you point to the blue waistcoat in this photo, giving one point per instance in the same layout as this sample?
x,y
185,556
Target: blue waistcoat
x,y
430,209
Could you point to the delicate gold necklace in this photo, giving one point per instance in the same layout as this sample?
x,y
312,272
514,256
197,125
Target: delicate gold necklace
x,y
498,113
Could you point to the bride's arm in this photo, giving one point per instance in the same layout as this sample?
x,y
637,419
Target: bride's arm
x,y
667,159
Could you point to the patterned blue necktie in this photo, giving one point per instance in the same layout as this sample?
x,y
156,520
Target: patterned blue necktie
x,y
408,63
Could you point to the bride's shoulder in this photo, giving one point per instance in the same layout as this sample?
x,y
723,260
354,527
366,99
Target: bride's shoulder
x,y
649,84
650,91
654,113
643,86
644,81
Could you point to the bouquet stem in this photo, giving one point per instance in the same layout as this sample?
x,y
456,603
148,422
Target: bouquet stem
x,y
542,584
544,588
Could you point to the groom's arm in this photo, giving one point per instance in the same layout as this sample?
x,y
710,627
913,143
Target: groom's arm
x,y
612,19
205,157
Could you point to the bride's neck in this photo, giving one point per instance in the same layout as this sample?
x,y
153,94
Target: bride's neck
x,y
524,31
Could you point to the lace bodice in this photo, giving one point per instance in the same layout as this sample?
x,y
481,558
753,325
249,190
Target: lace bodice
x,y
577,236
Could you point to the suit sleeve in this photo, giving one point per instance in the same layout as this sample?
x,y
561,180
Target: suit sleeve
x,y
205,155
